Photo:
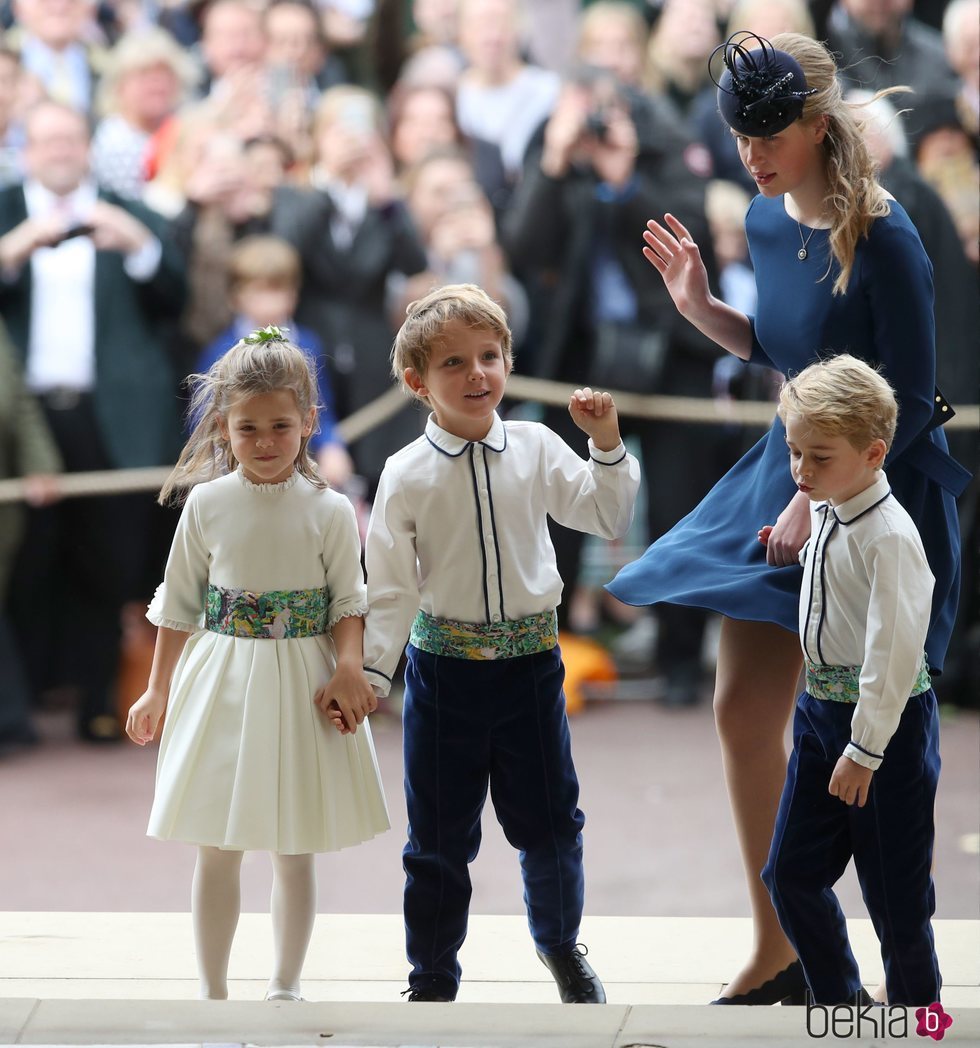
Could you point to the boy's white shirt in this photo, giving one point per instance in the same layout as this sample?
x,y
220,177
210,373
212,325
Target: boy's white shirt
x,y
459,528
865,601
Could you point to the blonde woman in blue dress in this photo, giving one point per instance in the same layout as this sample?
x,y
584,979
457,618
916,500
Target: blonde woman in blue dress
x,y
839,268
260,625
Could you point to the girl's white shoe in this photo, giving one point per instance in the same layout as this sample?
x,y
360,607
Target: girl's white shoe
x,y
282,995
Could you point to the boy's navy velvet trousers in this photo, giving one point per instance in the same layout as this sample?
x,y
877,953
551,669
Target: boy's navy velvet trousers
x,y
890,838
470,725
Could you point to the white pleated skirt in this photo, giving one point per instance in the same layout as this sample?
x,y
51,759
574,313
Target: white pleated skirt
x,y
248,762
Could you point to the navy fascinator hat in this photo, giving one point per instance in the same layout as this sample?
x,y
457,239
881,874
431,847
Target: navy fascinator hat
x,y
761,91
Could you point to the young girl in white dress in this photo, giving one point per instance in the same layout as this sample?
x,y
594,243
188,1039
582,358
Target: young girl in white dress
x,y
260,624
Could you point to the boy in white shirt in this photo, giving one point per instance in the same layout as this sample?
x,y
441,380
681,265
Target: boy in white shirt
x,y
862,777
458,555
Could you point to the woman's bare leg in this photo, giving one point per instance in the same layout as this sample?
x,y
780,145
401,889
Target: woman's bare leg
x,y
293,913
756,684
215,905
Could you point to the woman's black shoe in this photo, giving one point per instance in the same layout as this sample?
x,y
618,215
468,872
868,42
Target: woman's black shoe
x,y
788,987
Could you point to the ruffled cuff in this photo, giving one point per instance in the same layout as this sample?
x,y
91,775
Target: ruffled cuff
x,y
357,611
155,613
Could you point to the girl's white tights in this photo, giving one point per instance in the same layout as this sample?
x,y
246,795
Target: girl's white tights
x,y
216,901
216,904
293,912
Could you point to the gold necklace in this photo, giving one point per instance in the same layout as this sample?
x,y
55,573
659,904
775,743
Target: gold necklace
x,y
802,253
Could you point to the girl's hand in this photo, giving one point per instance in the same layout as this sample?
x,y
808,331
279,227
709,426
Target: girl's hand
x,y
144,716
851,782
675,256
595,413
349,695
786,537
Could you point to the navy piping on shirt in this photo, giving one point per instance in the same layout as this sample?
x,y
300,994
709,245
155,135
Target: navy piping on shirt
x,y
616,463
367,669
868,753
873,505
469,446
479,526
806,632
496,540
448,454
823,588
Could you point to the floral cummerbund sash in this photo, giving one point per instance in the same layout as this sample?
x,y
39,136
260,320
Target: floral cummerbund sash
x,y
843,683
493,640
270,615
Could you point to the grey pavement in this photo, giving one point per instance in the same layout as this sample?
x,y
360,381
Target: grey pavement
x,y
659,838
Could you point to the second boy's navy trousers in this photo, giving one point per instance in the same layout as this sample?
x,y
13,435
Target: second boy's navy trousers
x,y
470,726
891,839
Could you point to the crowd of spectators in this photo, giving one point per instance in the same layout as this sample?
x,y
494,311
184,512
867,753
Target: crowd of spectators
x,y
172,171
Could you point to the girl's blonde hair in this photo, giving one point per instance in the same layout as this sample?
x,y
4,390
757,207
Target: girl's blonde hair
x,y
854,197
426,318
843,396
269,364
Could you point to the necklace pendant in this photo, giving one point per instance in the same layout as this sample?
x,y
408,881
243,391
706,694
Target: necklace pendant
x,y
801,254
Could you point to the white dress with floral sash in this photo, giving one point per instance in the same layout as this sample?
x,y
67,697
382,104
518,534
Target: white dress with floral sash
x,y
247,761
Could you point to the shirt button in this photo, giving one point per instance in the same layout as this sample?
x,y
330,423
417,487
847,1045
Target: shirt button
x,y
495,618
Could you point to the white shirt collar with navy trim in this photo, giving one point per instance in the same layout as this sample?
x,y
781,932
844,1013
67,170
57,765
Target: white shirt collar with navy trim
x,y
452,445
860,503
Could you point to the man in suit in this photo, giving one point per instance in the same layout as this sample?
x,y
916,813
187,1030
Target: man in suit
x,y
88,287
51,37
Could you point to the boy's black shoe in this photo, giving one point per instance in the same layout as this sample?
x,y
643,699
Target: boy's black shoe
x,y
417,993
577,982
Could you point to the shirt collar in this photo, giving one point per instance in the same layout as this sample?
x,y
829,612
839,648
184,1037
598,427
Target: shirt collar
x,y
849,511
449,444
75,205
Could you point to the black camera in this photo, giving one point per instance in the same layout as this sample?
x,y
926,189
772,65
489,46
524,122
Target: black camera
x,y
597,124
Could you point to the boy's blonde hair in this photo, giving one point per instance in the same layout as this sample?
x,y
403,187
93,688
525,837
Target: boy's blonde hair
x,y
845,397
426,318
262,362
266,259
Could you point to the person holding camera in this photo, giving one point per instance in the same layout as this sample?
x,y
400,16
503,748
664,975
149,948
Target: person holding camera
x,y
606,155
88,286
352,230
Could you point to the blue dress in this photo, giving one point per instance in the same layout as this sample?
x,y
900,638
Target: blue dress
x,y
712,558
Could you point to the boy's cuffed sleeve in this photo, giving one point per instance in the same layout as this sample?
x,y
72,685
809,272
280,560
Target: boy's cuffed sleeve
x,y
898,619
597,496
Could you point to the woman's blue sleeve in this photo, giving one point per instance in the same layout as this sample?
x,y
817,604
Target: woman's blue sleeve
x,y
897,280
